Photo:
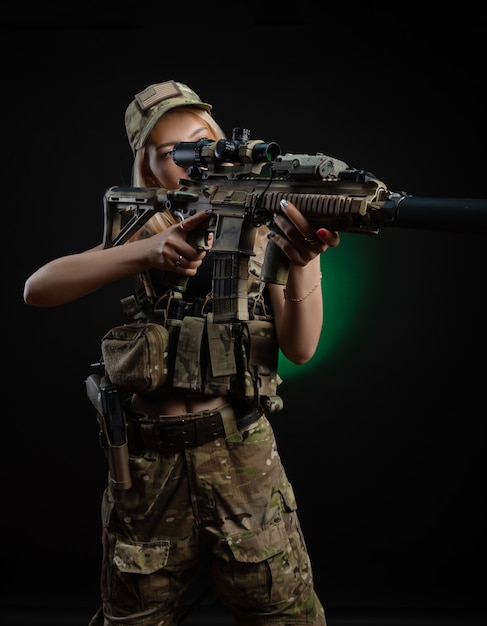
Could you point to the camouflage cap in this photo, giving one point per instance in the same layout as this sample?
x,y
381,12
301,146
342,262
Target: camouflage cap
x,y
148,106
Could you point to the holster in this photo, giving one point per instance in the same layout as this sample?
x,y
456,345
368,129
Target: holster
x,y
117,458
113,429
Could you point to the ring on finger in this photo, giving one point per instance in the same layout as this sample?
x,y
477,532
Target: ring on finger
x,y
178,260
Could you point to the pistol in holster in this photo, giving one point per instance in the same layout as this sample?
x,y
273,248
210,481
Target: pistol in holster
x,y
105,396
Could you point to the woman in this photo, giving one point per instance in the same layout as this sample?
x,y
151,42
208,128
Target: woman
x,y
229,494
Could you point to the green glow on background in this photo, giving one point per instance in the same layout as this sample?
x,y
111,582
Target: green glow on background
x,y
344,283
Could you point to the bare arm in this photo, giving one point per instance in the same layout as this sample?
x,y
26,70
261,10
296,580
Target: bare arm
x,y
298,309
70,277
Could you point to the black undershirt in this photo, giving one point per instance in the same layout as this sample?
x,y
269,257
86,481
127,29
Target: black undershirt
x,y
198,287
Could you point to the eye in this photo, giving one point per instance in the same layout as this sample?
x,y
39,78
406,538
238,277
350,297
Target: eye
x,y
165,155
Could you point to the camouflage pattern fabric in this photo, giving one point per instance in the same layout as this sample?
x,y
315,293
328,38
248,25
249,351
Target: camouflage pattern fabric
x,y
230,497
151,103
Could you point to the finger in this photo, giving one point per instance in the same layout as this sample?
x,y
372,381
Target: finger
x,y
179,261
195,220
295,216
300,231
330,237
300,255
184,265
306,244
189,236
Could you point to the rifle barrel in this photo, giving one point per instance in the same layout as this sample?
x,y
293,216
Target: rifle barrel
x,y
462,215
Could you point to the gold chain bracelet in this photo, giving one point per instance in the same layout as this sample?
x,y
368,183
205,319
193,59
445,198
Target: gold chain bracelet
x,y
291,299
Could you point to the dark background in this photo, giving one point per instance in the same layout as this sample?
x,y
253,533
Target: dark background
x,y
383,439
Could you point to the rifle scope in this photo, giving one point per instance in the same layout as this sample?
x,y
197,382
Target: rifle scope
x,y
239,149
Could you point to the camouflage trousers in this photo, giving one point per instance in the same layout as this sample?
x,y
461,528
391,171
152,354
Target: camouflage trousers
x,y
230,497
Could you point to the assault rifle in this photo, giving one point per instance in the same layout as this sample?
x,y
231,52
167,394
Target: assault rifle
x,y
243,181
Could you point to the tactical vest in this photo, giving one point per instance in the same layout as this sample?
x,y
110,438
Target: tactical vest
x,y
223,343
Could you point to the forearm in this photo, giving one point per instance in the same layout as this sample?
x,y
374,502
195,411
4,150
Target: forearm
x,y
68,278
298,312
76,275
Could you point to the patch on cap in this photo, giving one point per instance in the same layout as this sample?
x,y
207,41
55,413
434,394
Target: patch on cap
x,y
156,93
150,104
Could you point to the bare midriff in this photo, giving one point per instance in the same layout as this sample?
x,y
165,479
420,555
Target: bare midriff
x,y
167,403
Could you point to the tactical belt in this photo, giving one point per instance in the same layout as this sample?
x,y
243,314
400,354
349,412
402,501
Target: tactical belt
x,y
172,433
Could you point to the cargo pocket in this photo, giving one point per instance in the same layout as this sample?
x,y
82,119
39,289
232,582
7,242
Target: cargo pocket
x,y
295,534
264,571
137,577
141,558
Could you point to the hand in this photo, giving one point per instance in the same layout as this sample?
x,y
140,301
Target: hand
x,y
297,237
172,250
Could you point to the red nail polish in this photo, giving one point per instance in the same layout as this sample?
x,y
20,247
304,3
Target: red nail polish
x,y
322,232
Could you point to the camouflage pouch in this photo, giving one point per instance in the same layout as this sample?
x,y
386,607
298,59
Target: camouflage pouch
x,y
261,350
135,356
221,368
187,368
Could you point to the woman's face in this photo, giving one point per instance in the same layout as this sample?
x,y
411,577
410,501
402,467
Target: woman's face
x,y
174,126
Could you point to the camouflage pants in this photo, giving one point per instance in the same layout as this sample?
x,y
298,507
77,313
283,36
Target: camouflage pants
x,y
230,497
